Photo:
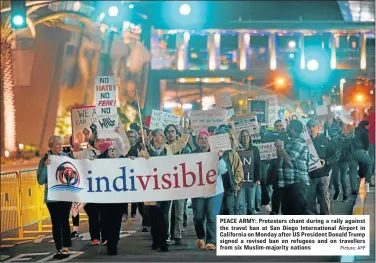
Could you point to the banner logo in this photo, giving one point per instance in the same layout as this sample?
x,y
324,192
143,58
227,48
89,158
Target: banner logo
x,y
68,178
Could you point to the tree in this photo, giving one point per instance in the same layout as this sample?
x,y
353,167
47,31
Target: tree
x,y
8,34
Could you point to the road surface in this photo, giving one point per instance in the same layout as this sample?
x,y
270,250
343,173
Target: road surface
x,y
136,246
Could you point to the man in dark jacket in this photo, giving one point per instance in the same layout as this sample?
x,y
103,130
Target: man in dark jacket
x,y
360,156
319,178
272,174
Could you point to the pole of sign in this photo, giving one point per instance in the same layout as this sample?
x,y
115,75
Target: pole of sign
x,y
139,114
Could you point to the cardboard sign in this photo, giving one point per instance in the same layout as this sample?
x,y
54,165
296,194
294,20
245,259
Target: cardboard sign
x,y
245,122
202,120
268,151
220,142
160,119
223,101
82,118
107,121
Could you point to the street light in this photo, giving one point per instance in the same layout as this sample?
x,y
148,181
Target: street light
x,y
292,44
280,81
185,9
312,65
113,11
359,97
18,20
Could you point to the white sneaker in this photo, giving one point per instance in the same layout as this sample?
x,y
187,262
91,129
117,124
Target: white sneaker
x,y
267,208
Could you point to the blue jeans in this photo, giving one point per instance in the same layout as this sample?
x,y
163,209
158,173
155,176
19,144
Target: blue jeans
x,y
245,201
359,157
371,152
206,209
339,175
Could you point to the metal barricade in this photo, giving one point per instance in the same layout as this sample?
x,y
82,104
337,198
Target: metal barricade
x,y
22,205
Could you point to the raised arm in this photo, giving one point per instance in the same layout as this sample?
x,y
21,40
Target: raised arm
x,y
179,144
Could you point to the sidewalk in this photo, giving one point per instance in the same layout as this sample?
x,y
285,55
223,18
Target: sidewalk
x,y
369,209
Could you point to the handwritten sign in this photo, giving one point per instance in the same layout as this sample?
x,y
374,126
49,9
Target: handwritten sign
x,y
82,118
105,92
268,151
160,119
245,122
223,101
202,120
107,120
220,142
314,160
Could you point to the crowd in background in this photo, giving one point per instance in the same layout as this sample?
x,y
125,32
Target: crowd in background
x,y
280,186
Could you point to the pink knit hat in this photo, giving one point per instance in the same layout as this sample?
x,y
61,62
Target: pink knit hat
x,y
201,133
104,146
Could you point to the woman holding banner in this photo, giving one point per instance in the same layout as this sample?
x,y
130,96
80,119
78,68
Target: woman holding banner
x,y
59,211
207,208
159,211
110,214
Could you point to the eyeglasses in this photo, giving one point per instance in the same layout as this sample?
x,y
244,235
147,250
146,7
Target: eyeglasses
x,y
111,149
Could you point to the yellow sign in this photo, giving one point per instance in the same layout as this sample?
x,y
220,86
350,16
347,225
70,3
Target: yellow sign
x,y
178,111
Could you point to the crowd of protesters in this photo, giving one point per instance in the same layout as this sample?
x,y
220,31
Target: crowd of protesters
x,y
285,185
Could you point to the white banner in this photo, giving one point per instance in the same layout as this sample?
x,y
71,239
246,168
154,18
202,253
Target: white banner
x,y
123,180
106,108
314,160
82,118
203,119
220,142
160,119
245,122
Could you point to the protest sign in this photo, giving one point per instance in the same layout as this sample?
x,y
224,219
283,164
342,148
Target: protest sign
x,y
268,151
82,118
76,208
248,164
259,109
202,120
130,181
160,119
272,107
245,122
314,160
220,142
223,100
107,120
230,113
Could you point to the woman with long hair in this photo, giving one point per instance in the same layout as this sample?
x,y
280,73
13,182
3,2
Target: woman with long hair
x,y
246,196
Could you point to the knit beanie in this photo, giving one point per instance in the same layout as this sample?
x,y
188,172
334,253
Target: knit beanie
x,y
104,146
201,133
